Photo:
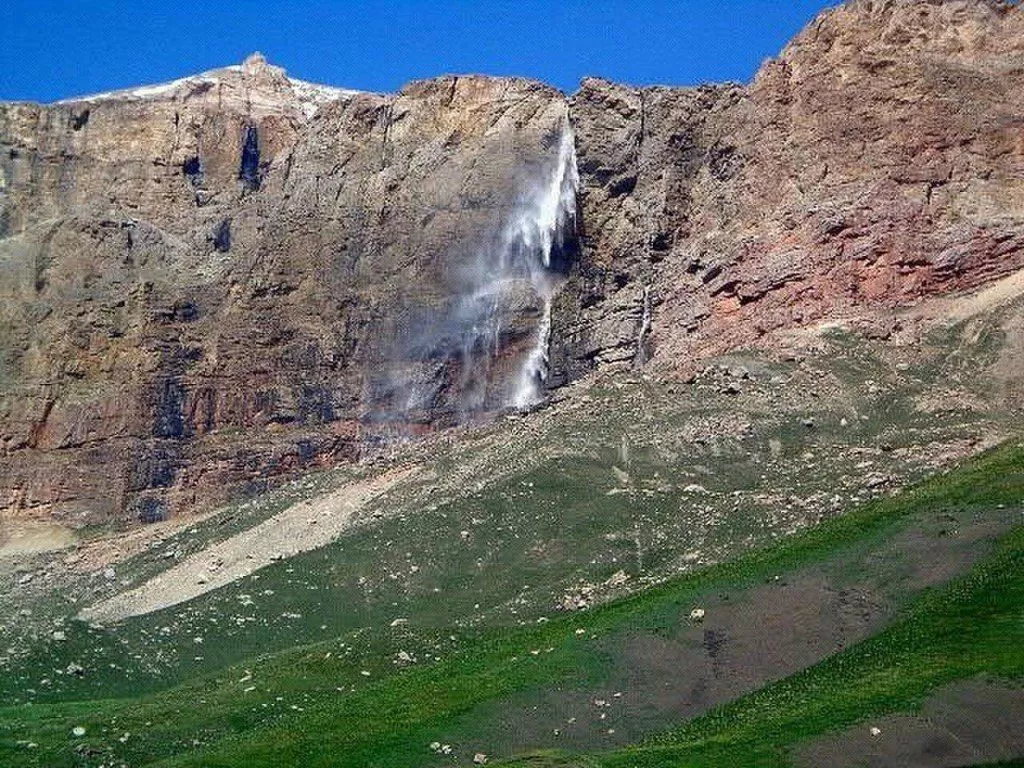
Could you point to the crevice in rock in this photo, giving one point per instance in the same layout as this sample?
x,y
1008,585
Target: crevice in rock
x,y
643,124
221,236
249,166
150,510
643,352
385,156
40,425
193,170
78,121
170,418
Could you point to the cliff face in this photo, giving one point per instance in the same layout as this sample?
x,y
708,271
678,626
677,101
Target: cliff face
x,y
207,285
880,158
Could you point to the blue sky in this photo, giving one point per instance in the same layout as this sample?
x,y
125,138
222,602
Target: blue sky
x,y
51,49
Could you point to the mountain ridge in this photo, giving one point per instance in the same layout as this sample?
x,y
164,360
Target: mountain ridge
x,y
203,290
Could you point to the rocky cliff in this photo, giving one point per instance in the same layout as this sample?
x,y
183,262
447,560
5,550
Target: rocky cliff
x,y
878,159
218,282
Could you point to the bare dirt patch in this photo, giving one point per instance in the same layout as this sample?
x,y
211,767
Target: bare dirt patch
x,y
933,558
302,527
110,550
957,308
747,638
745,642
967,723
30,537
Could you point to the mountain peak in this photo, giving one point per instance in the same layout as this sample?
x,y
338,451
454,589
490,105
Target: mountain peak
x,y
254,62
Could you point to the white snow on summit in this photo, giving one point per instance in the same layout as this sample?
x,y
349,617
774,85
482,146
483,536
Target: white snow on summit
x,y
310,96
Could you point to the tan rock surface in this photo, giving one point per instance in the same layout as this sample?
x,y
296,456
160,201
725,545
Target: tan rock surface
x,y
217,283
877,160
195,332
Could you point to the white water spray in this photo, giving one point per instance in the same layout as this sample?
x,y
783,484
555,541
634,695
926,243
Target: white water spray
x,y
539,226
458,359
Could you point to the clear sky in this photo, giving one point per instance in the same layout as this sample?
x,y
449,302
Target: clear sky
x,y
51,49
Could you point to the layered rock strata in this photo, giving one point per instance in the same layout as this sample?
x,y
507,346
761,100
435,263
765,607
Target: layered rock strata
x,y
210,285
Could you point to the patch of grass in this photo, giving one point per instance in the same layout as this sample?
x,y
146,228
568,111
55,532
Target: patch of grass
x,y
556,512
313,706
976,626
973,627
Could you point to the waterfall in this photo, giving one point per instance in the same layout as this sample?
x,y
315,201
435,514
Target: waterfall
x,y
539,225
542,226
458,359
534,372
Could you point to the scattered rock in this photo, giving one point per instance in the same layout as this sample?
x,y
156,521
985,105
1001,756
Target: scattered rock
x,y
617,579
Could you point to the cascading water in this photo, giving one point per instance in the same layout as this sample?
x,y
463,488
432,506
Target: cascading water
x,y
546,223
458,360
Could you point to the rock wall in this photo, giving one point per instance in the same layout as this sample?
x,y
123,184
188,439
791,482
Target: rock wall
x,y
202,288
209,285
879,159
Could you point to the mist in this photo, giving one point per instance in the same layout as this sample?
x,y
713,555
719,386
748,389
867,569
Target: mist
x,y
485,348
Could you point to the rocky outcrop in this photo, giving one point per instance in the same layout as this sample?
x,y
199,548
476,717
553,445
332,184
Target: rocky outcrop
x,y
209,285
877,160
204,286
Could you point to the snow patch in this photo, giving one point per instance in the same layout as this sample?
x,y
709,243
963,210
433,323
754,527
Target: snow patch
x,y
313,95
309,96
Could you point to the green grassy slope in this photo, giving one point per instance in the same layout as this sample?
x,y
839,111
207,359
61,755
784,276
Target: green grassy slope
x,y
314,706
976,627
